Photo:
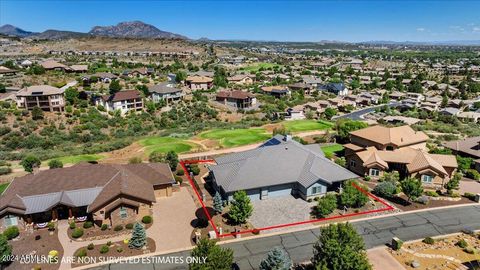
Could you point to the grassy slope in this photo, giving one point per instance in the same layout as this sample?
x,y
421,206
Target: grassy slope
x,y
236,137
331,149
3,187
77,158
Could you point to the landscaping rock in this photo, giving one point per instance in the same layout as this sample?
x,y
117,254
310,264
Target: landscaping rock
x,y
415,264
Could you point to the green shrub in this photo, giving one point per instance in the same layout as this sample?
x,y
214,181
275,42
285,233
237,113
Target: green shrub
x,y
397,244
51,226
104,227
147,219
195,169
119,249
473,174
178,179
77,233
90,246
87,224
462,243
129,226
469,196
109,243
385,189
118,228
470,250
11,232
326,205
5,170
81,253
104,249
431,193
429,241
72,225
180,172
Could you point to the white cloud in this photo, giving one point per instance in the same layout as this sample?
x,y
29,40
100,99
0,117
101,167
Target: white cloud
x,y
457,28
476,29
421,29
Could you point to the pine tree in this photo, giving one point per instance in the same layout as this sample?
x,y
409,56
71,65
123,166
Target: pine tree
x,y
276,259
241,208
217,203
216,257
5,249
139,237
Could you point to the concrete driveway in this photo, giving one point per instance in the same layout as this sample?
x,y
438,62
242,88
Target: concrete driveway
x,y
279,210
172,216
469,186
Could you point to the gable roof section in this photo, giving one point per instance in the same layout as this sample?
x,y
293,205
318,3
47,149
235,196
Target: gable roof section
x,y
277,161
400,136
469,146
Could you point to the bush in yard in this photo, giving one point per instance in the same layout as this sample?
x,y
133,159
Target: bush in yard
x,y
104,249
241,208
118,228
87,224
216,256
104,227
473,174
454,182
340,247
180,172
90,246
385,189
30,162
412,188
276,259
5,250
431,193
429,241
156,156
217,203
351,196
469,196
129,226
195,169
178,179
5,170
326,205
51,226
11,232
172,159
119,249
81,253
462,243
139,237
55,163
72,225
147,219
77,233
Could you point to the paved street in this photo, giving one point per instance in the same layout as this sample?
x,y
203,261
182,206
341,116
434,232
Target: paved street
x,y
357,115
376,232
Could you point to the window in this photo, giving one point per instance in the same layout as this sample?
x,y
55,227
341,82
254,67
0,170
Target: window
x,y
352,163
316,190
10,220
123,212
427,178
374,172
389,148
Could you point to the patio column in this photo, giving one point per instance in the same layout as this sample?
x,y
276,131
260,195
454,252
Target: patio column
x,y
70,214
54,214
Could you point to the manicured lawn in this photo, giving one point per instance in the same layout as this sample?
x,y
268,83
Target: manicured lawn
x,y
78,158
331,149
236,137
306,125
257,66
3,187
166,144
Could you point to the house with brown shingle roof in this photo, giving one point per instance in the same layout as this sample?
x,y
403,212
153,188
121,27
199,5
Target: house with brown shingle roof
x,y
377,149
241,79
124,101
103,193
199,82
236,98
46,97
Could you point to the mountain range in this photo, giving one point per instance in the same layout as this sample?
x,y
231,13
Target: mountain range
x,y
134,29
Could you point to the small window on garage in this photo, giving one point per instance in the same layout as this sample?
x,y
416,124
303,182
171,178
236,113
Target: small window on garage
x,y
427,178
123,212
316,190
10,220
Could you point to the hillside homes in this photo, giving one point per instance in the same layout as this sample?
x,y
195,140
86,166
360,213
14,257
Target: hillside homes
x,y
124,101
377,149
46,97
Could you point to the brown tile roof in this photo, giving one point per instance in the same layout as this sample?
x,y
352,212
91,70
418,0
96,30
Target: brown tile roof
x,y
236,94
39,90
199,79
134,180
123,95
469,146
400,136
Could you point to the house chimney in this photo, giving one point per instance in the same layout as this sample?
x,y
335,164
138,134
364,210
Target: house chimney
x,y
288,138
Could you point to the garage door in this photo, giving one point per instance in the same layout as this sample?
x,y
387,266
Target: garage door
x,y
254,194
280,190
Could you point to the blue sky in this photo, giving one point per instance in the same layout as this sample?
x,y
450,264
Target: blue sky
x,y
261,20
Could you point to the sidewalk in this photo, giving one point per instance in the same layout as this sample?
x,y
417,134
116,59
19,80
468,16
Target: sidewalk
x,y
381,259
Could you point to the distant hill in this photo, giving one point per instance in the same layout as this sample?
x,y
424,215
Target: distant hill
x,y
11,30
58,34
135,29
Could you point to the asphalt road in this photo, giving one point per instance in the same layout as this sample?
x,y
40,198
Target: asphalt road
x,y
356,115
375,232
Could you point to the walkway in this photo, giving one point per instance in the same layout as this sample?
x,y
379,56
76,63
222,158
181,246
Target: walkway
x,y
381,259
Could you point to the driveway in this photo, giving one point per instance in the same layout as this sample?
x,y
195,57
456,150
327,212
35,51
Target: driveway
x,y
279,210
172,216
469,186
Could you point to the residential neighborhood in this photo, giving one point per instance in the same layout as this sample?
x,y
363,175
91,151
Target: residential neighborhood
x,y
239,135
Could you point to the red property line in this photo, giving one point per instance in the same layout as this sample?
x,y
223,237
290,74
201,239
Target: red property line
x,y
184,163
